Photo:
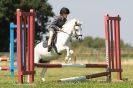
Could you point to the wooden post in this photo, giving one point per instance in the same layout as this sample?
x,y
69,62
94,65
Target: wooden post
x,y
112,41
25,45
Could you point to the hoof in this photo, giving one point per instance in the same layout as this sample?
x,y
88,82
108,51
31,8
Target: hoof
x,y
43,79
68,61
71,52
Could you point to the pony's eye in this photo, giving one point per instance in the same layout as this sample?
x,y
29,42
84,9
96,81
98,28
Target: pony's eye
x,y
76,29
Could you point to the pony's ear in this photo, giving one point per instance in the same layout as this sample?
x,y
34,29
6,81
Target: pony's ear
x,y
75,22
81,22
78,23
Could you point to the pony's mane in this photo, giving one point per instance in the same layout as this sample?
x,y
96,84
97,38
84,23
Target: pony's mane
x,y
69,22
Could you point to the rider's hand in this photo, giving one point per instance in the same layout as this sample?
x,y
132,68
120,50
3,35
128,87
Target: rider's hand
x,y
59,29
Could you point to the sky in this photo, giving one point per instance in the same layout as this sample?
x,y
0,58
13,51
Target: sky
x,y
92,12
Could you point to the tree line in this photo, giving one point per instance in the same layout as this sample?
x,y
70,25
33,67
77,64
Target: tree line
x,y
97,42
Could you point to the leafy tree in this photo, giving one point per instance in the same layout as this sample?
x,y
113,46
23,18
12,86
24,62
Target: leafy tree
x,y
88,41
8,14
98,43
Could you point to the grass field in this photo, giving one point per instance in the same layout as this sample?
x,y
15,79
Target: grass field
x,y
57,73
54,74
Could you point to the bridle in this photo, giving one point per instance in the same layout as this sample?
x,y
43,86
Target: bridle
x,y
76,35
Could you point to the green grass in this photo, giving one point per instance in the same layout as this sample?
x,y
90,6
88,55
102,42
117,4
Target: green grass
x,y
54,74
57,73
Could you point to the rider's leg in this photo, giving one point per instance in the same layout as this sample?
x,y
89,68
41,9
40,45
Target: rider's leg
x,y
55,48
50,40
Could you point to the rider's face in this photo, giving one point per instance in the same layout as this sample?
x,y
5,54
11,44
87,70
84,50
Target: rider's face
x,y
65,15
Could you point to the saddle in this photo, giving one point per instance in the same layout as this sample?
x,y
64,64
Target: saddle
x,y
53,42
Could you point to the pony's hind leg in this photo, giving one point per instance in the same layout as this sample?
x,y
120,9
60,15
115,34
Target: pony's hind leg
x,y
43,72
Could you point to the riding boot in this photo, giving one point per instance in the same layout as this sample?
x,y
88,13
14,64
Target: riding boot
x,y
55,48
49,48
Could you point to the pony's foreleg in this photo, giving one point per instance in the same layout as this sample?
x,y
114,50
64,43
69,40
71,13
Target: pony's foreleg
x,y
43,72
71,52
68,56
68,59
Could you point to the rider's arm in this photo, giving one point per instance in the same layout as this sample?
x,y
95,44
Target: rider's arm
x,y
54,22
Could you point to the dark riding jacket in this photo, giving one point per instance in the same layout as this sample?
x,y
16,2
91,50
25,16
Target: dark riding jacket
x,y
58,22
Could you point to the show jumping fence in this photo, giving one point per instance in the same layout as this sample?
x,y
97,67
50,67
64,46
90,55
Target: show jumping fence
x,y
112,41
25,49
6,65
3,67
9,60
113,54
25,44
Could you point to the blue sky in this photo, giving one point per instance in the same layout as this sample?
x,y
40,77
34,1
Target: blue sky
x,y
91,13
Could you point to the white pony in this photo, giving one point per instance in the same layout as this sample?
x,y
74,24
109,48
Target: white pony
x,y
71,29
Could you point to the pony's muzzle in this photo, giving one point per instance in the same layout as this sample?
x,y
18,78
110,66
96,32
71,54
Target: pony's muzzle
x,y
79,37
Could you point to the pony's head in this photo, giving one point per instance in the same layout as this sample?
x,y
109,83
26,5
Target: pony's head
x,y
77,30
73,28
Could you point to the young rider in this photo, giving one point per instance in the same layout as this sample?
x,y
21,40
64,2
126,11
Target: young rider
x,y
57,24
